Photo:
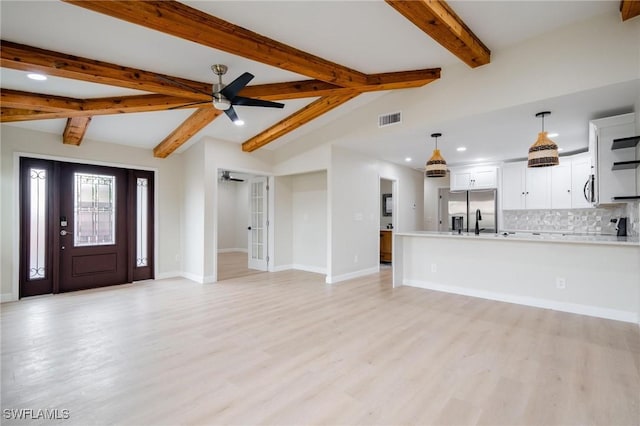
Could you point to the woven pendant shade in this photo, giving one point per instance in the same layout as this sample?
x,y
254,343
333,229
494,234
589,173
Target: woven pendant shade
x,y
436,166
544,152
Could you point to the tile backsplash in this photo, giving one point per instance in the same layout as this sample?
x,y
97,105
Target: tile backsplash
x,y
578,221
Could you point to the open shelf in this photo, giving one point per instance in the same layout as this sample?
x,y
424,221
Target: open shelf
x,y
629,142
625,165
631,197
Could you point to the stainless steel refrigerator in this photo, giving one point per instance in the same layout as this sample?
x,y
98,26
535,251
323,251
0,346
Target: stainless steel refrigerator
x,y
466,204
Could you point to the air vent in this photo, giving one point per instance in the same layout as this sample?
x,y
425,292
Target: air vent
x,y
389,119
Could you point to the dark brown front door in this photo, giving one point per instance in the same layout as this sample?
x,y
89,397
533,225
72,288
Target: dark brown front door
x,y
83,226
93,227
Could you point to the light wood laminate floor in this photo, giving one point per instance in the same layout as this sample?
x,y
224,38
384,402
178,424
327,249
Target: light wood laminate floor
x,y
234,265
285,348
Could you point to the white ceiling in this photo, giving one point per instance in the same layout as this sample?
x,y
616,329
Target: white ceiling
x,y
368,36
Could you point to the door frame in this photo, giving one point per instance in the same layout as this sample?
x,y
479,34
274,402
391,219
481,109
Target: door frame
x,y
216,206
395,193
15,237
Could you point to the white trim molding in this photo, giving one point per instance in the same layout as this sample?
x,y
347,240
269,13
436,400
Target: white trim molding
x,y
574,308
351,275
233,250
8,297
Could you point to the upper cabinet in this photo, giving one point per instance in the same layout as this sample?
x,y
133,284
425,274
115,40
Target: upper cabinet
x,y
468,178
559,187
614,144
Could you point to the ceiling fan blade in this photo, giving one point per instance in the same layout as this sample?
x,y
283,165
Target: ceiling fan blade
x,y
184,86
231,113
232,89
191,104
241,100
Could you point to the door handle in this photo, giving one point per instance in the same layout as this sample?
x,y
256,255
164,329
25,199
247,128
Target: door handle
x,y
584,191
248,228
63,232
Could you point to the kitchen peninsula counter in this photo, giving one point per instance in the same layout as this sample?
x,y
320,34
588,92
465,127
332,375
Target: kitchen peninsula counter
x,y
597,275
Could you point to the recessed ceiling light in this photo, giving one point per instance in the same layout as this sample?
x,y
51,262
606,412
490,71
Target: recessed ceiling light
x,y
239,122
480,159
553,135
560,149
408,159
461,148
38,77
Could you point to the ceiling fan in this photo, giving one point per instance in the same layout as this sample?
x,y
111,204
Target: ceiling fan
x,y
226,177
224,97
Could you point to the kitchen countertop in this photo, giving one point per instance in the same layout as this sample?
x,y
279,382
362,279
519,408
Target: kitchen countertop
x,y
532,237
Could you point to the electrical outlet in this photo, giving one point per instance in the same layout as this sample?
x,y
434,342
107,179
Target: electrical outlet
x,y
561,283
434,267
177,258
355,259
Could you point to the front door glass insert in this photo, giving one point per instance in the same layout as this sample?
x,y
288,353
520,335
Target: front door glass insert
x,y
94,207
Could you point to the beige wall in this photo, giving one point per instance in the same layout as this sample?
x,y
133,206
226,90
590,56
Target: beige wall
x,y
168,185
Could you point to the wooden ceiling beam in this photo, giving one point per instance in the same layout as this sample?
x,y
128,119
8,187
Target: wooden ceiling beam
x,y
180,20
38,102
629,9
192,125
441,23
10,115
32,59
297,119
74,130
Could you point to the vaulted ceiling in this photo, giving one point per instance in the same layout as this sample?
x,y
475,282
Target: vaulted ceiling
x,y
142,59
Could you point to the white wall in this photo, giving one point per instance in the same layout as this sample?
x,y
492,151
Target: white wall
x,y
354,181
309,221
233,213
168,183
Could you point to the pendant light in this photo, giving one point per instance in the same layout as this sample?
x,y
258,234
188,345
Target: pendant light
x,y
544,152
436,166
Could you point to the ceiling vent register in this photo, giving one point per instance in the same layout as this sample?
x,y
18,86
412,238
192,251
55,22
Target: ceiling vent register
x,y
389,119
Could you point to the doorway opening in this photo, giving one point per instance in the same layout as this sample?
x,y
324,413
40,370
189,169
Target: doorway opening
x,y
243,221
83,226
387,221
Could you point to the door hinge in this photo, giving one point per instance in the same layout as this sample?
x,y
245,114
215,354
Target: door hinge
x,y
267,259
267,187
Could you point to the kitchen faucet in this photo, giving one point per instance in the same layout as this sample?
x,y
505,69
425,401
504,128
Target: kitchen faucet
x,y
478,218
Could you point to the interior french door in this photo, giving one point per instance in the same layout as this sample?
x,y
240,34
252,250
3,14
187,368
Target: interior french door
x,y
258,224
83,226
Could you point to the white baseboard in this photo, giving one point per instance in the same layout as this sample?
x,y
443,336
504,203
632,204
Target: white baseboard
x,y
193,277
314,269
7,297
230,250
351,275
280,268
170,274
574,308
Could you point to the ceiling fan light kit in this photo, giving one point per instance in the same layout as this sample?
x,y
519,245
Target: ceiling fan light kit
x,y
436,166
544,152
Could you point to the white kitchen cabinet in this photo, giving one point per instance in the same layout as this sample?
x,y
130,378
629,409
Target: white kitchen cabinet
x,y
538,187
474,178
513,188
561,184
556,187
525,188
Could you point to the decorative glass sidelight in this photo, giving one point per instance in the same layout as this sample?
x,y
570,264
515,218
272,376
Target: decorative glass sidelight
x,y
142,220
95,210
37,222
